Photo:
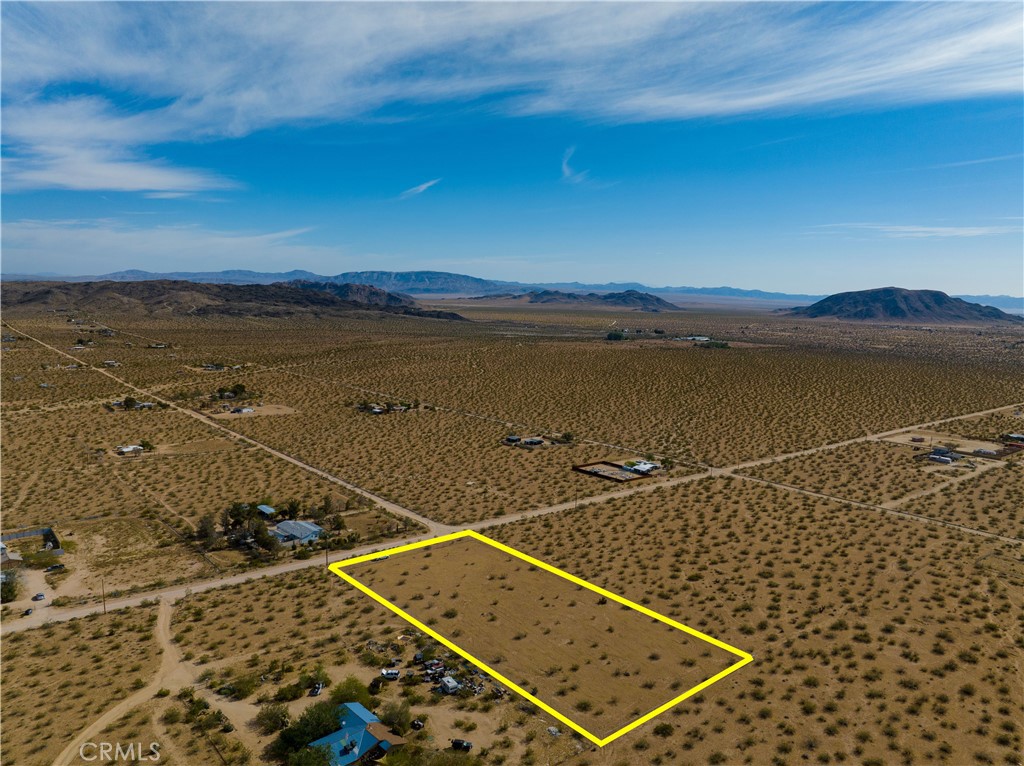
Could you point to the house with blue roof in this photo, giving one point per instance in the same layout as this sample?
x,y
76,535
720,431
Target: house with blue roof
x,y
362,738
296,532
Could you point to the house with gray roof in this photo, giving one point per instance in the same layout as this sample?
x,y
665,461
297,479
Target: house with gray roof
x,y
294,533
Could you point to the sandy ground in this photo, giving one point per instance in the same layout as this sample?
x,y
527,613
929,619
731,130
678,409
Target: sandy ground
x,y
263,409
190,448
33,581
595,661
938,439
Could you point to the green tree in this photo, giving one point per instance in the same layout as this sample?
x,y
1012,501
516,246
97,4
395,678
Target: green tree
x,y
352,690
397,715
9,587
207,531
239,517
615,335
318,720
310,756
271,718
317,675
263,538
291,509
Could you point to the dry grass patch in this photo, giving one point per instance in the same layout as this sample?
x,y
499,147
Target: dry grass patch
x,y
60,466
989,427
129,554
866,472
992,501
717,406
58,679
597,662
448,467
875,639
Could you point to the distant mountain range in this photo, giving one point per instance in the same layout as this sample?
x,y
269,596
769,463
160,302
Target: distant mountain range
x,y
446,283
627,299
888,304
178,297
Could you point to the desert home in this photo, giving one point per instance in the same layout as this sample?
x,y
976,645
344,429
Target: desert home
x,y
296,532
362,738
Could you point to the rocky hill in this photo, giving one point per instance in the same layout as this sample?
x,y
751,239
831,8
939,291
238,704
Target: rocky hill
x,y
358,293
158,297
896,304
633,299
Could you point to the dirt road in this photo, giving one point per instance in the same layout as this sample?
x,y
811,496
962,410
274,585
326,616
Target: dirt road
x,y
171,673
48,614
435,527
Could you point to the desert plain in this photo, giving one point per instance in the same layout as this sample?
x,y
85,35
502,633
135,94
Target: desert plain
x,y
793,516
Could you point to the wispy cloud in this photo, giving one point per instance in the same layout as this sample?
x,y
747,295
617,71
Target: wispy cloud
x,y
248,67
982,161
568,174
98,246
905,231
416,190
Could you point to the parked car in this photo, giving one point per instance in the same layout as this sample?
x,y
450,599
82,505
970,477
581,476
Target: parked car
x,y
316,690
55,568
26,613
39,597
461,744
390,674
417,724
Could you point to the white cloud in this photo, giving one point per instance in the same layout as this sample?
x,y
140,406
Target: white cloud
x,y
164,72
99,246
905,231
83,168
418,189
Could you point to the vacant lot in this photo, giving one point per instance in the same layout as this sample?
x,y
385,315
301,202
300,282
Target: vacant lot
x,y
875,639
597,662
866,472
992,501
127,554
59,679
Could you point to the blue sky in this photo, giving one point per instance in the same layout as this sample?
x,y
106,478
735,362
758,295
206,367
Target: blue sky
x,y
780,146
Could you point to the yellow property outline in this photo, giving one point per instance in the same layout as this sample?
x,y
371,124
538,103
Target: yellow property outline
x,y
745,658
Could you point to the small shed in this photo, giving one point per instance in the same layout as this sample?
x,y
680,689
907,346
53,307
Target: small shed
x,y
266,511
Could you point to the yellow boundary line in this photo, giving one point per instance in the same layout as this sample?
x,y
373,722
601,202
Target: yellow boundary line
x,y
745,658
